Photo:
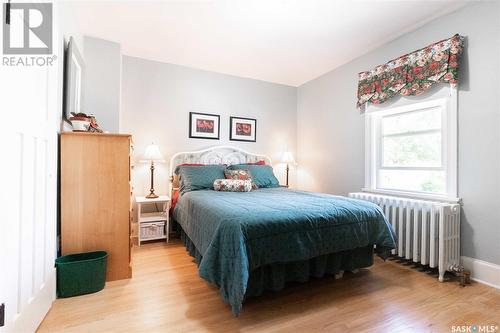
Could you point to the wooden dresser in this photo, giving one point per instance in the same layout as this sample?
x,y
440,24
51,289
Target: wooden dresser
x,y
96,198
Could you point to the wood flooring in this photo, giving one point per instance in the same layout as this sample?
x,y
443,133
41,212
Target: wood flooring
x,y
167,295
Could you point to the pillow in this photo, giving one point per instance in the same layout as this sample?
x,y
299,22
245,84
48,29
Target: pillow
x,y
173,202
178,168
238,174
233,185
194,178
261,162
262,175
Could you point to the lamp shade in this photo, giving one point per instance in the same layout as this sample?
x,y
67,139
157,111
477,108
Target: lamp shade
x,y
288,158
152,153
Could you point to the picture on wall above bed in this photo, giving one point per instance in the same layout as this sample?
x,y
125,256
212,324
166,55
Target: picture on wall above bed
x,y
242,129
204,126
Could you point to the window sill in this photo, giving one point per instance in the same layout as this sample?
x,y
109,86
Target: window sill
x,y
413,195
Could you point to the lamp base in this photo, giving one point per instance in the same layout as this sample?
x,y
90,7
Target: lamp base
x,y
287,170
152,194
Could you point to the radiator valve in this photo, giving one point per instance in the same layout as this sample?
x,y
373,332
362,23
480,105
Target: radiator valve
x,y
462,273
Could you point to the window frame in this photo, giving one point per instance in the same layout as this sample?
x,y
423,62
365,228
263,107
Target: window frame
x,y
449,145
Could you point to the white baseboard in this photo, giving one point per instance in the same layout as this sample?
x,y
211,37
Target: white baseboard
x,y
483,271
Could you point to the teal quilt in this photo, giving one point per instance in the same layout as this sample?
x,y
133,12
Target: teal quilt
x,y
238,232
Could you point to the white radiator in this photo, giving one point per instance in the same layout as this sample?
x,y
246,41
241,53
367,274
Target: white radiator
x,y
428,232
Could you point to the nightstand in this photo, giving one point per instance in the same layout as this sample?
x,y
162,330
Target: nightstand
x,y
153,218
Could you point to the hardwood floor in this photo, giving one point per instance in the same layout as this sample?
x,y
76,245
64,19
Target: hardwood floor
x,y
167,295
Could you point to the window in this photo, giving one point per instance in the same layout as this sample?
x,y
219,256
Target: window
x,y
411,149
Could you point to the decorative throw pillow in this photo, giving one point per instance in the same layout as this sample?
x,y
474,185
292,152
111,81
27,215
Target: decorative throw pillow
x,y
262,175
241,174
233,185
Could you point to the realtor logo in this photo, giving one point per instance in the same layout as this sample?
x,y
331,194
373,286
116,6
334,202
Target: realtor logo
x,y
30,28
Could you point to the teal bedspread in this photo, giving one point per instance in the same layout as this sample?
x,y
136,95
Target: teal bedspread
x,y
237,232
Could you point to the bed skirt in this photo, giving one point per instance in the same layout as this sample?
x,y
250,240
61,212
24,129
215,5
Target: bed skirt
x,y
275,276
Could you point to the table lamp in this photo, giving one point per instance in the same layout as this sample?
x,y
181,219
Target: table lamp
x,y
288,159
152,155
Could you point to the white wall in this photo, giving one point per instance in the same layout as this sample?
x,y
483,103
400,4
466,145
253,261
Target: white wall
x,y
331,129
157,98
102,93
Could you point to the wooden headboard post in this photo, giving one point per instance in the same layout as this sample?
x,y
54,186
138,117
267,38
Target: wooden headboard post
x,y
215,155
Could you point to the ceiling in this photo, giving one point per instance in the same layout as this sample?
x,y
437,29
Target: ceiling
x,y
282,41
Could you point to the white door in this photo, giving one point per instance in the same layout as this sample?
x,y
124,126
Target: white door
x,y
28,194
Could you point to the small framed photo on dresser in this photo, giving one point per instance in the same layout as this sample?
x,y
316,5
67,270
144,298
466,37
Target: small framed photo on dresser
x,y
242,129
204,125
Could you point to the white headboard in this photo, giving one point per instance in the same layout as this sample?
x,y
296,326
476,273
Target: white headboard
x,y
215,155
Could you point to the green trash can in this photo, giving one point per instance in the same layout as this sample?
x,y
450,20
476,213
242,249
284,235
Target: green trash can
x,y
81,273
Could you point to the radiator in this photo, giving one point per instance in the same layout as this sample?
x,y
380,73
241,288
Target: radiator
x,y
428,232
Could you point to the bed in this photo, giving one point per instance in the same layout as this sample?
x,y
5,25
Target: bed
x,y
249,242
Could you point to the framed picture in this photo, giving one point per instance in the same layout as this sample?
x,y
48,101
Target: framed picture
x,y
204,126
74,69
242,129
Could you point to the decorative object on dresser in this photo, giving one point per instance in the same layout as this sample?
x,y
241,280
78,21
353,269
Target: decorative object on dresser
x,y
242,129
153,225
289,160
94,126
204,126
95,197
80,122
152,155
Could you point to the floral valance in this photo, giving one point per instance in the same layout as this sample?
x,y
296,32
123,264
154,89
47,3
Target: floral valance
x,y
412,74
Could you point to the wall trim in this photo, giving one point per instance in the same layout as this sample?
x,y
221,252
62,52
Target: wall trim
x,y
482,271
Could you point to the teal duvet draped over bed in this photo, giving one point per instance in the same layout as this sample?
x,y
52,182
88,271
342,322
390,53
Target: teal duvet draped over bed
x,y
235,233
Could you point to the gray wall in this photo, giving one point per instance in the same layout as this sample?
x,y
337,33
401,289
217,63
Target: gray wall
x,y
102,81
331,129
157,99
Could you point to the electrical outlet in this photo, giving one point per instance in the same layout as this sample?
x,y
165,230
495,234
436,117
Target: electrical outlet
x,y
2,314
